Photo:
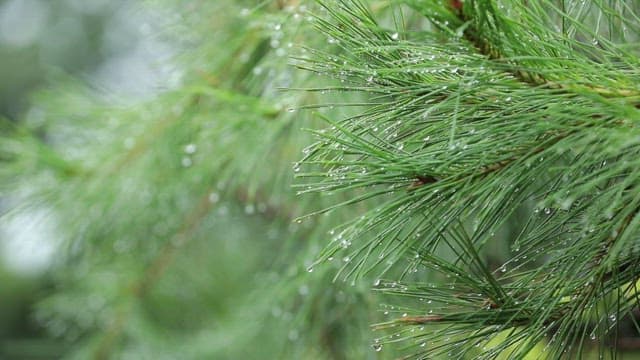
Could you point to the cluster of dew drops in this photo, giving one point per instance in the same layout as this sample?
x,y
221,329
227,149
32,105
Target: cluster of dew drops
x,y
189,151
295,14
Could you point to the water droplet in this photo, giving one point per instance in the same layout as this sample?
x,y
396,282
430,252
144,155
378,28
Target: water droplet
x,y
377,282
310,269
395,36
566,203
608,214
377,347
223,211
503,268
129,143
190,148
214,197
303,290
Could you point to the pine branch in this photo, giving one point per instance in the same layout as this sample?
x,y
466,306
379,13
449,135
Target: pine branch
x,y
552,136
163,260
473,33
152,273
491,20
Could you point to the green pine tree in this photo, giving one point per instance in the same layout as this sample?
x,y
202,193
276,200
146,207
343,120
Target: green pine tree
x,y
345,179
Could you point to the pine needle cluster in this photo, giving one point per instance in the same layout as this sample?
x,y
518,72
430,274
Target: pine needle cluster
x,y
481,116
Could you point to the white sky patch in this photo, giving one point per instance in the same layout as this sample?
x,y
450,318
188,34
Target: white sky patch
x,y
141,65
22,21
27,242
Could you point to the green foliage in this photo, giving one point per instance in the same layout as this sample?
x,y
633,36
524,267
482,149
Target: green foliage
x,y
476,161
175,216
492,109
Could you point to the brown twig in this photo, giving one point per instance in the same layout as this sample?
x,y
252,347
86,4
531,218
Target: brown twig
x,y
154,271
157,268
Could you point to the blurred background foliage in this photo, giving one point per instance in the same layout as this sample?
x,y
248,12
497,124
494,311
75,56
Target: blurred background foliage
x,y
146,186
108,43
110,47
146,192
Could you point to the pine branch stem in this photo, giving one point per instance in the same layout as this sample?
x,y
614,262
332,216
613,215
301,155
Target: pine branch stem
x,y
152,274
139,288
485,47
